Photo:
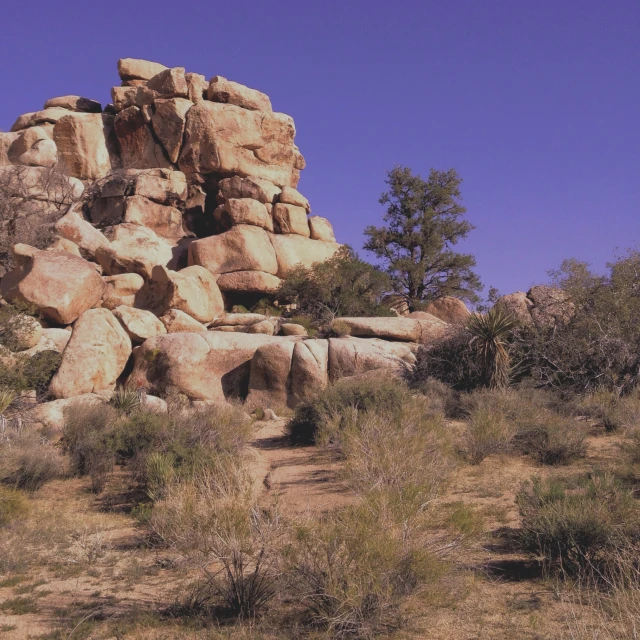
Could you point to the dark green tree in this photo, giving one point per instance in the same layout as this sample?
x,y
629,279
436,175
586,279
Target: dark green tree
x,y
424,222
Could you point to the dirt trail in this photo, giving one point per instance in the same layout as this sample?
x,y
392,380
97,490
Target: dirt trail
x,y
303,478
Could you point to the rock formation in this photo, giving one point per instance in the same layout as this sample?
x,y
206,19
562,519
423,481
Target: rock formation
x,y
172,204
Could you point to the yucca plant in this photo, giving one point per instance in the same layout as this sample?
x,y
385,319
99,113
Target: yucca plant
x,y
7,396
489,331
125,399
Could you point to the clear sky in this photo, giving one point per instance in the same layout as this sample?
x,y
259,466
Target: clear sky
x,y
536,103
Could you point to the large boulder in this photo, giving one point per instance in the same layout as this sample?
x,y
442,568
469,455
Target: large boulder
x,y
238,320
134,249
292,250
166,221
517,305
204,366
237,211
136,69
449,309
228,92
139,324
86,145
72,226
192,290
121,289
404,329
250,187
249,282
551,305
138,146
309,370
321,229
46,116
353,356
168,124
95,356
225,138
51,415
74,103
242,248
176,321
60,285
269,380
289,218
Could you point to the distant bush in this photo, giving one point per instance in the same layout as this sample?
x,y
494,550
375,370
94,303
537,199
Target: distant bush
x,y
13,506
344,285
488,432
99,436
442,398
322,417
338,329
585,530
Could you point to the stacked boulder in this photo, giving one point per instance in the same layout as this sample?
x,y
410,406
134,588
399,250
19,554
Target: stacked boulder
x,y
172,204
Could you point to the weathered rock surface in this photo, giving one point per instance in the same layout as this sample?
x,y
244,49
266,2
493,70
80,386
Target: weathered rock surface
x,y
249,187
204,366
86,145
291,219
58,337
228,92
134,249
166,221
309,370
224,138
249,282
139,324
60,285
192,290
295,250
74,103
448,309
22,332
130,68
321,229
176,321
405,329
518,305
75,228
95,355
242,248
292,329
270,376
121,290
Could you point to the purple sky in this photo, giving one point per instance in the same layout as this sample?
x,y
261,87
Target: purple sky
x,y
536,103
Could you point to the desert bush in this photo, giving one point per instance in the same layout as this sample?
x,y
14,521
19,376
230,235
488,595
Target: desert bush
x,y
597,344
488,431
341,286
442,398
28,463
403,450
13,505
125,399
211,520
99,436
609,409
89,436
353,569
338,329
319,419
450,360
586,530
550,438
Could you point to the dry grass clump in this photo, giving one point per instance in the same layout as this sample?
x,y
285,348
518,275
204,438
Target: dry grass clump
x,y
27,460
319,420
353,569
523,420
613,411
13,505
590,530
155,447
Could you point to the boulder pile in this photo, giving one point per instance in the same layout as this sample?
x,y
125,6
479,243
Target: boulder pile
x,y
172,204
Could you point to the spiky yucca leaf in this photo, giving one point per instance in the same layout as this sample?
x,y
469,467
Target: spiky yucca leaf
x,y
7,396
489,331
125,399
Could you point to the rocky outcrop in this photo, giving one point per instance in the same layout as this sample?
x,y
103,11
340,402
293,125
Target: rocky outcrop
x,y
448,309
60,285
543,306
95,356
404,329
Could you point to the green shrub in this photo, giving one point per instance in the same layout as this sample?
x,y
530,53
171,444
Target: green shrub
x,y
353,569
319,419
125,399
13,505
89,437
488,431
576,531
338,329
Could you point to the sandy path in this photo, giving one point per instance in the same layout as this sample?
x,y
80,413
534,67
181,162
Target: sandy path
x,y
303,478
